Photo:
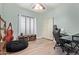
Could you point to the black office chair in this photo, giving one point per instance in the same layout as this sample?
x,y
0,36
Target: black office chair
x,y
56,34
59,42
65,46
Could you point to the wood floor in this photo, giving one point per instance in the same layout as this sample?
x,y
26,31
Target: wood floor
x,y
39,47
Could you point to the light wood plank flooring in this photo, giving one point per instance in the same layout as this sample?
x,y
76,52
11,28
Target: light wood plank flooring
x,y
40,47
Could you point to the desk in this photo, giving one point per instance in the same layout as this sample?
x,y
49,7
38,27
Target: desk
x,y
76,35
68,38
72,39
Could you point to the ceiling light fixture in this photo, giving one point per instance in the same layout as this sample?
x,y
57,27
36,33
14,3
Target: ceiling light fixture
x,y
38,6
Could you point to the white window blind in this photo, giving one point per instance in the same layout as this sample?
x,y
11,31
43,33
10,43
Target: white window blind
x,y
27,25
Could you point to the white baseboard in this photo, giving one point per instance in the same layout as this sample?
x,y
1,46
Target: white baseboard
x,y
39,37
47,38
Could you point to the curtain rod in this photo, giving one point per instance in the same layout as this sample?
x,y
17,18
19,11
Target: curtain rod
x,y
26,16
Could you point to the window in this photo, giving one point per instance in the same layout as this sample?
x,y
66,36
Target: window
x,y
27,25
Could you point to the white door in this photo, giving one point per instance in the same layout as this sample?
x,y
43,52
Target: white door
x,y
48,28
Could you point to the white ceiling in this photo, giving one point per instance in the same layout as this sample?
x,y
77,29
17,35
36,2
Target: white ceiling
x,y
48,6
